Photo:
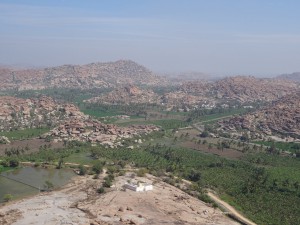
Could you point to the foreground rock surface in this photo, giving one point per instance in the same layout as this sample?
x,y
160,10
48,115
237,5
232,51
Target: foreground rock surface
x,y
78,203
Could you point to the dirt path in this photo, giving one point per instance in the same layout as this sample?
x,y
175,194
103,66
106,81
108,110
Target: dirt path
x,y
230,209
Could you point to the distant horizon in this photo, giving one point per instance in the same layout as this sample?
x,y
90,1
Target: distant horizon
x,y
24,66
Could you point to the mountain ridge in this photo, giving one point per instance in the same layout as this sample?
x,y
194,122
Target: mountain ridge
x,y
92,75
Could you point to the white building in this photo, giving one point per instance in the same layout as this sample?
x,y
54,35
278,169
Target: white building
x,y
139,187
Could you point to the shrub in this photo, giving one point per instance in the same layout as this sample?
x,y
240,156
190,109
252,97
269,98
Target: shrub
x,y
141,172
107,183
82,170
204,134
37,164
7,197
13,162
100,190
97,167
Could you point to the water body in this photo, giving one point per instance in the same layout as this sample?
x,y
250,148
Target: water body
x,y
14,182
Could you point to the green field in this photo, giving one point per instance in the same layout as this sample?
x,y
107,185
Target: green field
x,y
99,112
23,134
213,117
80,158
285,146
165,123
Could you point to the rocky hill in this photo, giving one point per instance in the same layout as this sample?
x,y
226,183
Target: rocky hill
x,y
133,95
291,77
281,117
92,75
93,131
17,113
204,94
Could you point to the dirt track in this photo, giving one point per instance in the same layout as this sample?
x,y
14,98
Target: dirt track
x,y
230,209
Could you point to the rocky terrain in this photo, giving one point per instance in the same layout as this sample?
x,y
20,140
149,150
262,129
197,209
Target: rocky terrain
x,y
96,132
79,203
69,122
241,88
94,75
251,89
18,113
183,100
129,94
204,94
281,117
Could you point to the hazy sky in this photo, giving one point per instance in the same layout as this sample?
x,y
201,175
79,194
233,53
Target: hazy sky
x,y
216,36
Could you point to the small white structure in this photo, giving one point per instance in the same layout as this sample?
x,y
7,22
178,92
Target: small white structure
x,y
139,187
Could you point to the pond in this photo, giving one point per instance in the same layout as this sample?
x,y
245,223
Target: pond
x,y
27,180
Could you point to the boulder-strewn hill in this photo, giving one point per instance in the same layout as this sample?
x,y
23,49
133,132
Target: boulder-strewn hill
x,y
17,113
281,117
92,75
292,76
70,123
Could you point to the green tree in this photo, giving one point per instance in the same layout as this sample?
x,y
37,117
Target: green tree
x,y
97,167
